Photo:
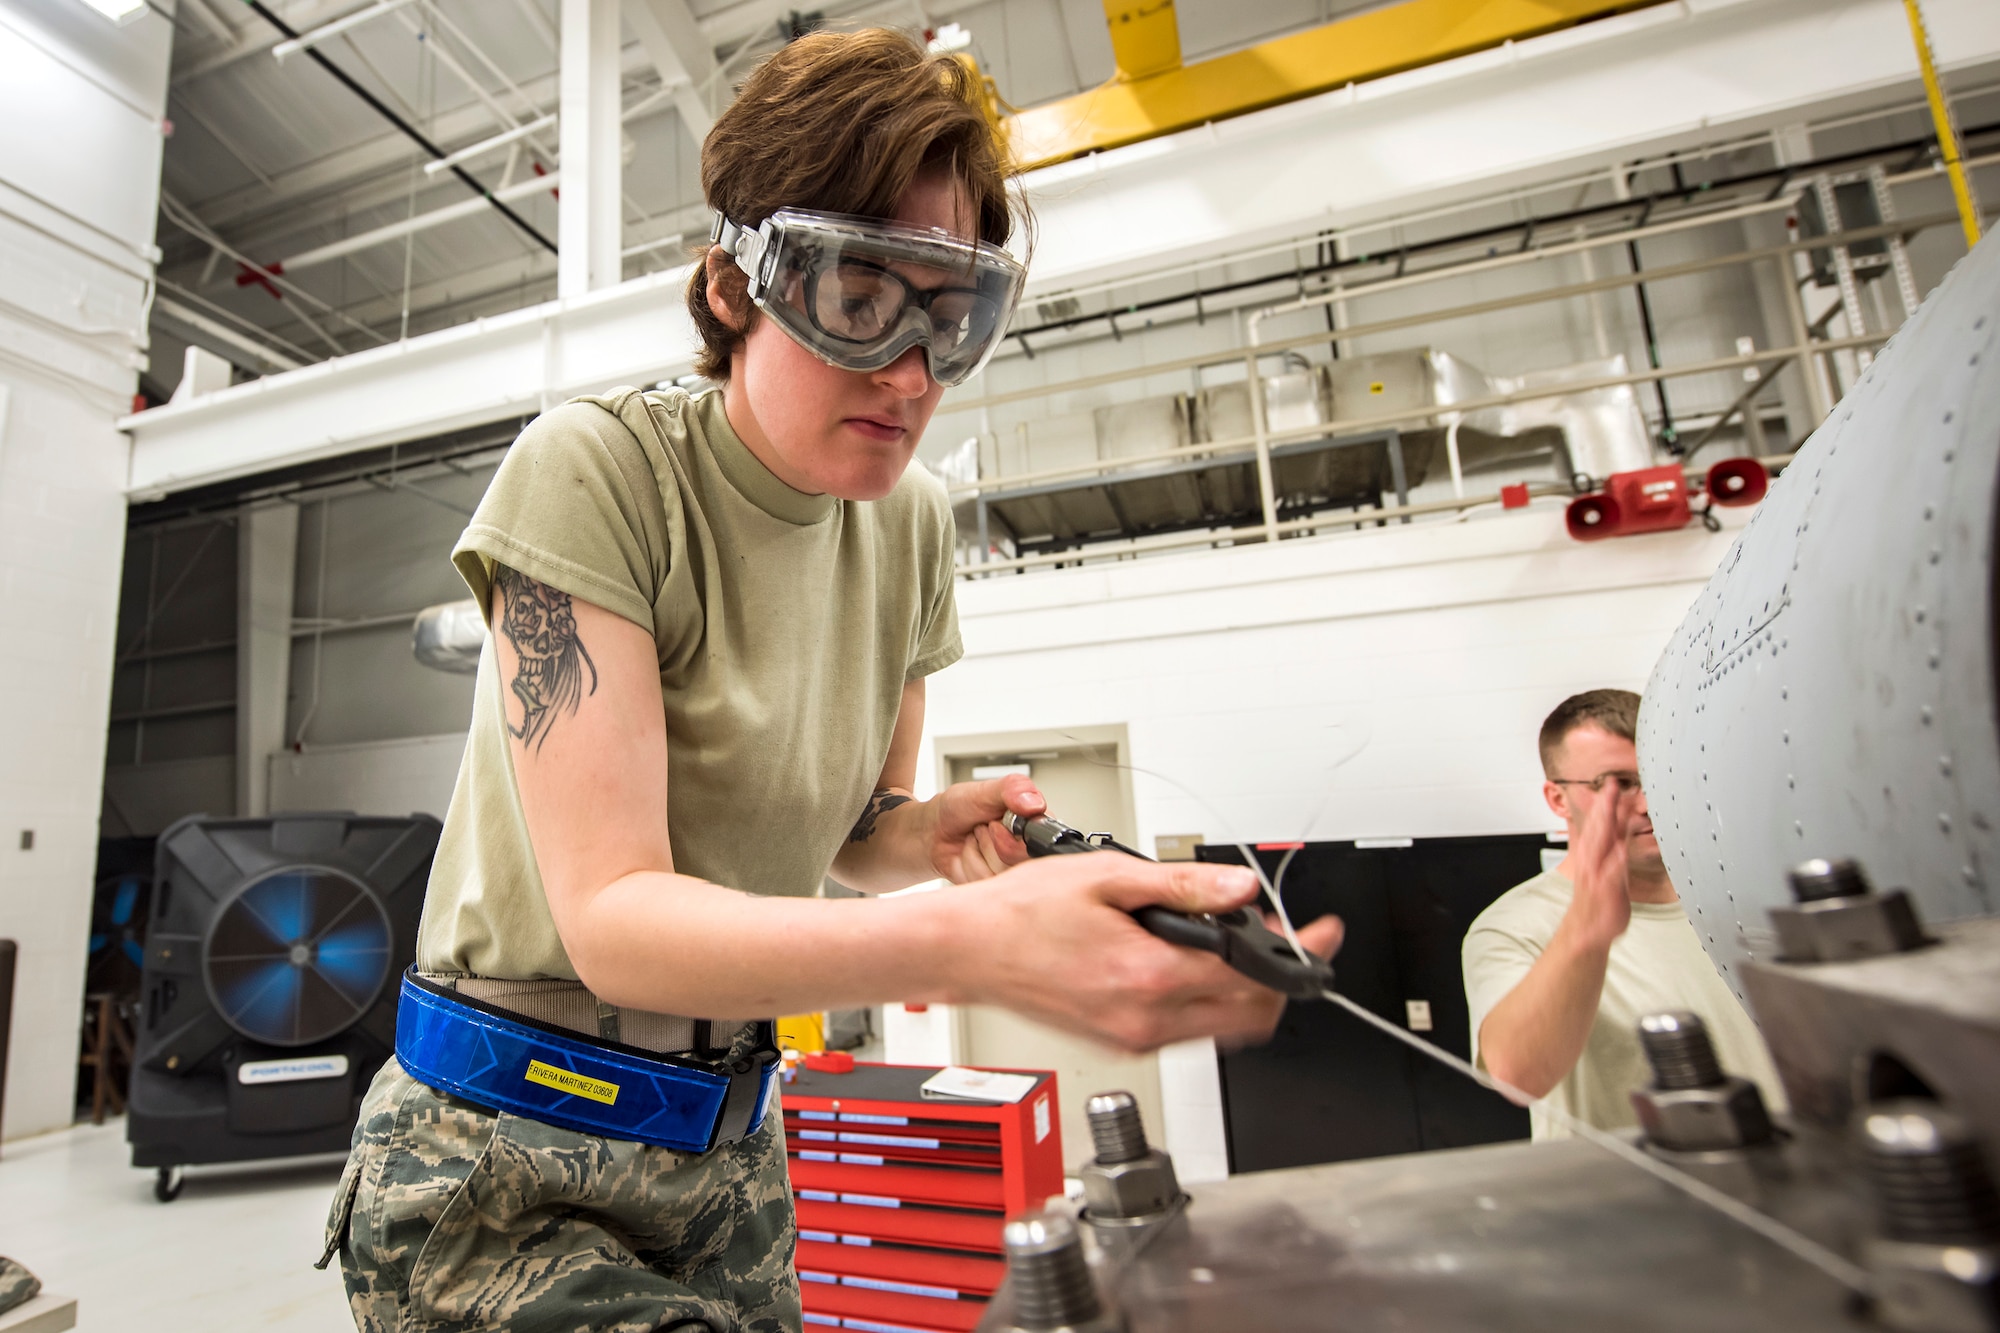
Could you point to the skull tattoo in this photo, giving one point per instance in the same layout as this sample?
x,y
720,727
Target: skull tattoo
x,y
550,660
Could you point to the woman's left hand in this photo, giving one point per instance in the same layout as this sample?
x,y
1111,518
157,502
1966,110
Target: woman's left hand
x,y
968,839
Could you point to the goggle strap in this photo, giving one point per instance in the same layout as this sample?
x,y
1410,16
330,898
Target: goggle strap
x,y
742,244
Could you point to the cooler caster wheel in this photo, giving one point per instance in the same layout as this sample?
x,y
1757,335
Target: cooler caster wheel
x,y
167,1184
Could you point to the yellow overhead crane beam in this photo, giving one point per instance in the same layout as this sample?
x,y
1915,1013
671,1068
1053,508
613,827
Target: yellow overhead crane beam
x,y
1145,37
1154,93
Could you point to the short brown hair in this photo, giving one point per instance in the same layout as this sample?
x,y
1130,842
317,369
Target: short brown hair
x,y
844,123
1616,711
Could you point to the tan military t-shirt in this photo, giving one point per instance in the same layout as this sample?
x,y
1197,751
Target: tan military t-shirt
x,y
1657,965
786,626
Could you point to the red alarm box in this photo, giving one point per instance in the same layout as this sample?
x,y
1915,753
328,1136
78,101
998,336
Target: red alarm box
x,y
1653,499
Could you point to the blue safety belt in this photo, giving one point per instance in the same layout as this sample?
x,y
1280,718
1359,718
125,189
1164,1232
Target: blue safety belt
x,y
501,1060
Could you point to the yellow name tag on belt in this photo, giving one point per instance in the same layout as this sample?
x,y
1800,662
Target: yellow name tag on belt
x,y
564,1081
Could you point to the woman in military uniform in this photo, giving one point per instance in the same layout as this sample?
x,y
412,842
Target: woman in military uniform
x,y
713,615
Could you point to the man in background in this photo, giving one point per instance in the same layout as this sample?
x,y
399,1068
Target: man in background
x,y
1559,970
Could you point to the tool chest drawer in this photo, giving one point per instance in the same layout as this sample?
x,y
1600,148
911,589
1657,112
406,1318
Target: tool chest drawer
x,y
966,1274
867,1308
901,1197
824,1211
865,1174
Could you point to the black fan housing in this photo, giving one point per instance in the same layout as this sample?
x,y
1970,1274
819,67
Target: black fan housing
x,y
268,999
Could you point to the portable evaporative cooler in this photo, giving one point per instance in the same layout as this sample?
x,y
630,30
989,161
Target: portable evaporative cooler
x,y
269,987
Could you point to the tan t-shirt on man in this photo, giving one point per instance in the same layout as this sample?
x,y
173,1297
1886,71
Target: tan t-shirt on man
x,y
786,627
1657,965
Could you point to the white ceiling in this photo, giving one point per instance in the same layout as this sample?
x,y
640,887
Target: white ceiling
x,y
269,160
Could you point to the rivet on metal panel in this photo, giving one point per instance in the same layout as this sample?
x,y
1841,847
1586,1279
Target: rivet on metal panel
x,y
1947,416
1926,714
1948,455
1920,614
1798,828
1936,555
1930,512
1944,823
1944,764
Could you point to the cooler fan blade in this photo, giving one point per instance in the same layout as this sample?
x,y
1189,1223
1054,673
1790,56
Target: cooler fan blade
x,y
259,998
354,958
298,956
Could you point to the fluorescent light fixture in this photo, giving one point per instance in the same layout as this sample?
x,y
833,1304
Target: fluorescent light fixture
x,y
118,11
951,37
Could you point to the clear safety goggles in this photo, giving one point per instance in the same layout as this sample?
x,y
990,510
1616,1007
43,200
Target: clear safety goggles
x,y
858,293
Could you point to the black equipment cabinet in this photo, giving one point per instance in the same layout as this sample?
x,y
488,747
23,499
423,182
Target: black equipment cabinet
x,y
273,956
1329,1088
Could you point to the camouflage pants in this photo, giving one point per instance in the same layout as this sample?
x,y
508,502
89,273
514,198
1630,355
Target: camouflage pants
x,y
451,1217
17,1285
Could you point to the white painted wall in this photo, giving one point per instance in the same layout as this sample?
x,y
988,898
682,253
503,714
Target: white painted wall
x,y
413,775
1383,683
75,256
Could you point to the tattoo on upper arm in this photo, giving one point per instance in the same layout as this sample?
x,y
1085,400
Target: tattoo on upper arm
x,y
881,803
550,660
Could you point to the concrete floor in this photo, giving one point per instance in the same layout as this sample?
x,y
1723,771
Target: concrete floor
x,y
235,1251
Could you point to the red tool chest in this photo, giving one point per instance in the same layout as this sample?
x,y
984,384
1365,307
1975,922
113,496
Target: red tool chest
x,y
901,1196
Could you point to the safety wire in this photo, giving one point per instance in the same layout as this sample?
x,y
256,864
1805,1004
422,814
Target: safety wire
x,y
1841,1270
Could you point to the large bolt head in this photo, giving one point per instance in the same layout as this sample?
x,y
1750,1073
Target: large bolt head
x,y
1122,1191
1730,1115
1837,930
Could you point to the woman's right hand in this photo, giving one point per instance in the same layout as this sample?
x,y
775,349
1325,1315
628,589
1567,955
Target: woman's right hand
x,y
1055,941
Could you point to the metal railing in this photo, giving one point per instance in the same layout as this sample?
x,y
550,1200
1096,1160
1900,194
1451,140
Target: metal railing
x,y
1804,350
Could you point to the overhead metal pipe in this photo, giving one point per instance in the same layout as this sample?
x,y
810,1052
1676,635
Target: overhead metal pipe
x,y
422,222
285,50
194,319
263,11
485,146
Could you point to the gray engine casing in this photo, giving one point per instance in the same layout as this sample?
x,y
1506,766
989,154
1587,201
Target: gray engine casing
x,y
1832,691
